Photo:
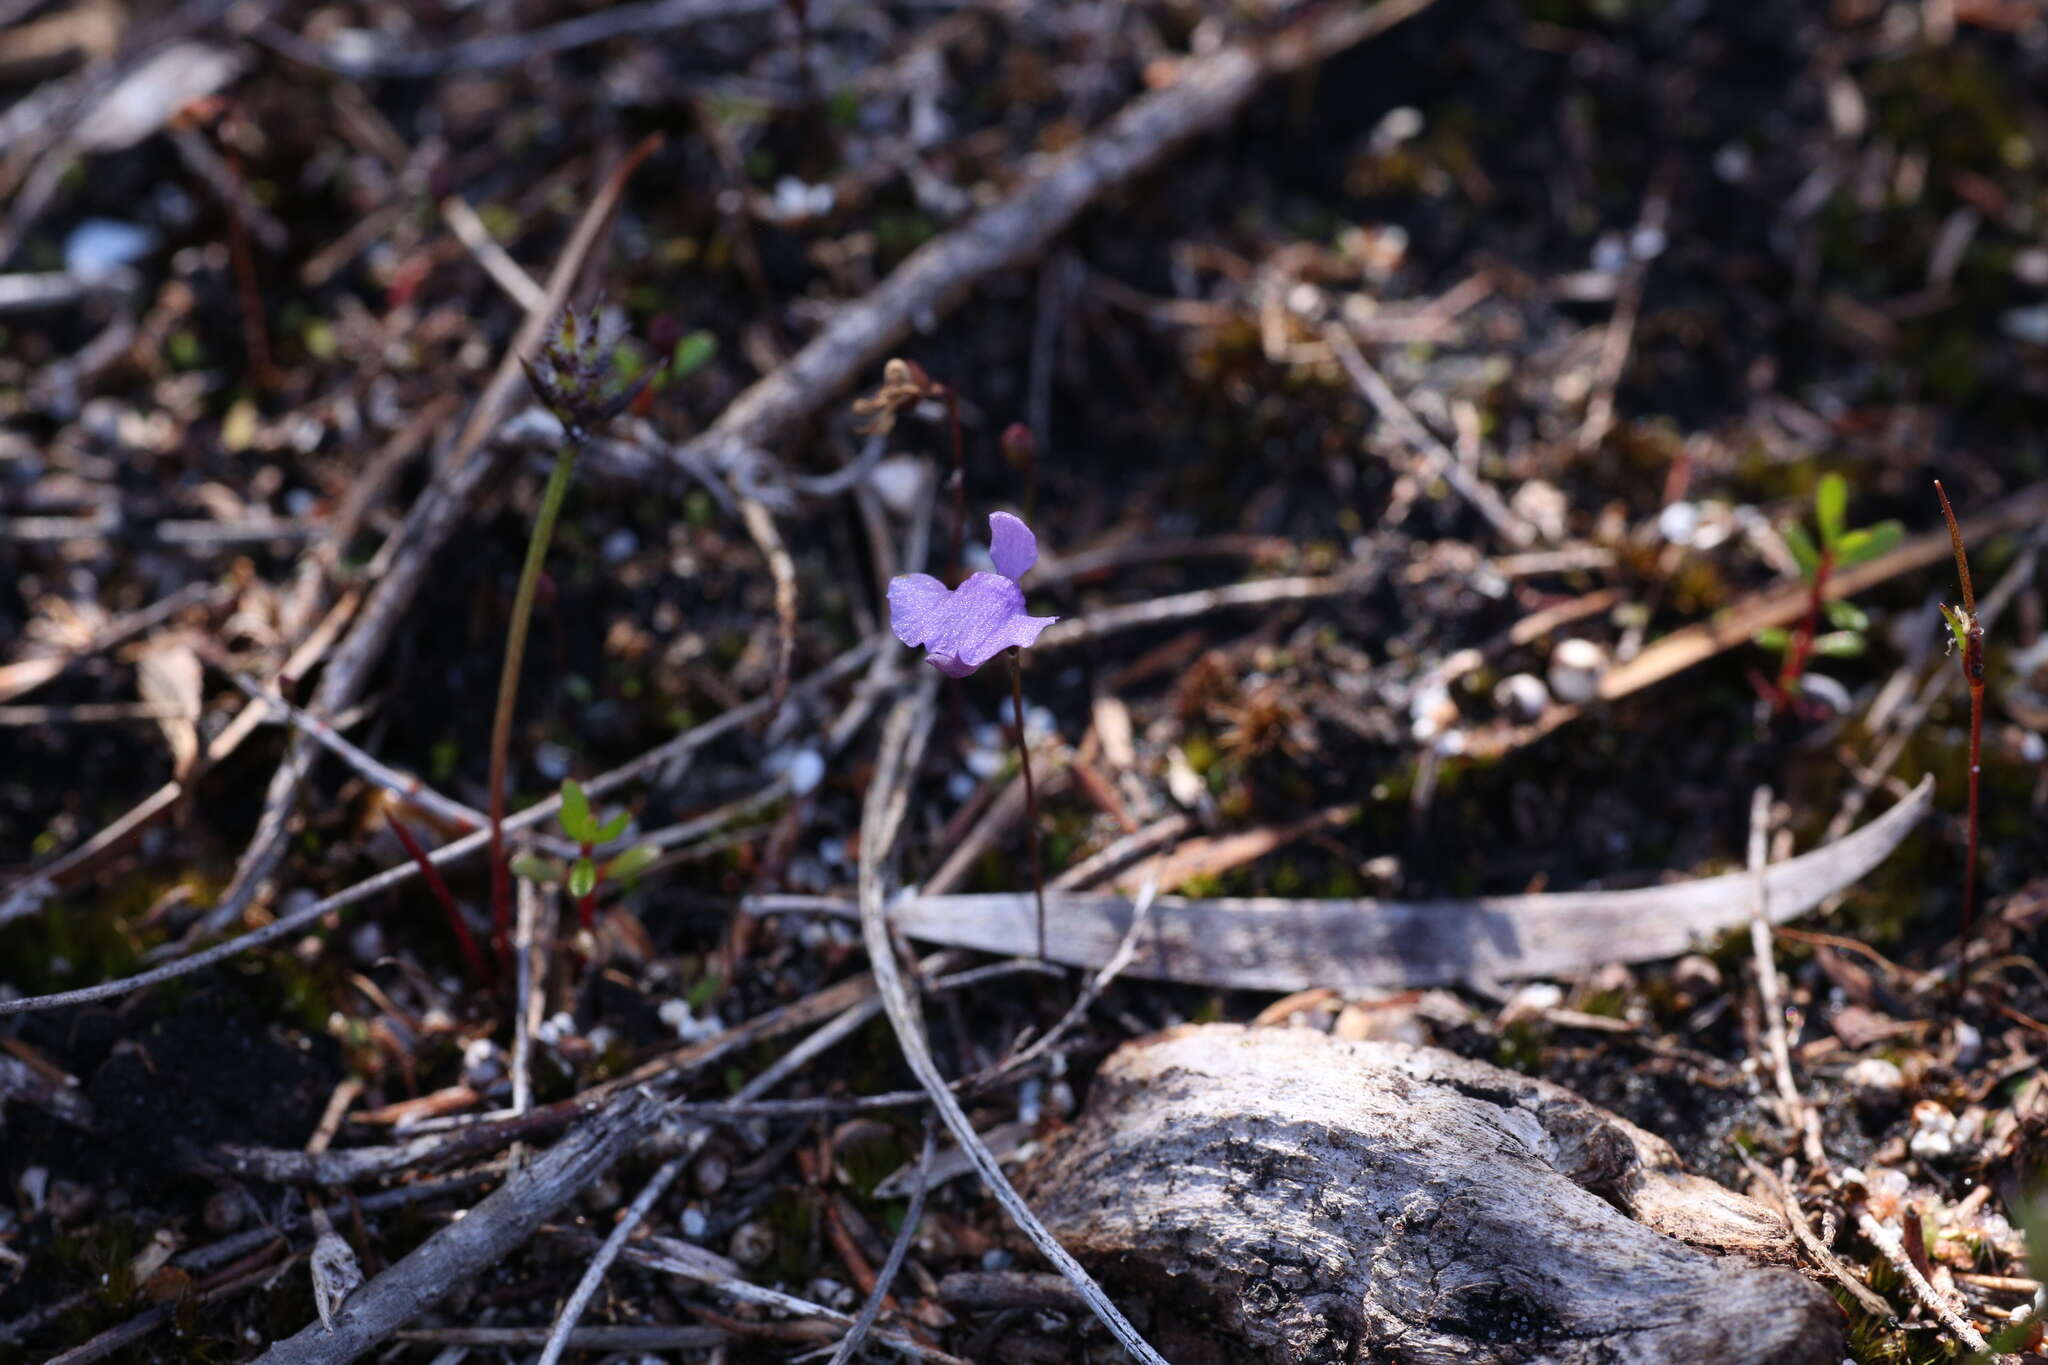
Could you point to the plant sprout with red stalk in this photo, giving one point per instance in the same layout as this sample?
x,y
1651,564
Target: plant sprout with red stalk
x,y
588,872
963,628
1968,638
1839,548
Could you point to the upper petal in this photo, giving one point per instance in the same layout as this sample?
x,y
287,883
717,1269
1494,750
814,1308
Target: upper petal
x,y
917,606
1011,545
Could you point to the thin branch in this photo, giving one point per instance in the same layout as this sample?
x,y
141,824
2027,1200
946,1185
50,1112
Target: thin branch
x,y
1161,611
1894,1251
298,921
850,1344
1797,1116
888,798
760,523
403,563
1443,464
1206,93
593,1274
486,1235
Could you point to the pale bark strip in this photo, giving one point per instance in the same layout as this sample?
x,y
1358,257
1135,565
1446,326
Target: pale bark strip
x,y
1272,944
1206,92
486,1235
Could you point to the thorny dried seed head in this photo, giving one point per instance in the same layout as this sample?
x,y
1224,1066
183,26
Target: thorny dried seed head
x,y
576,374
904,385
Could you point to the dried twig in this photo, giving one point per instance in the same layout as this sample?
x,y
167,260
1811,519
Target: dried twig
x,y
487,1234
1797,1116
1184,606
510,49
674,751
1207,91
760,524
850,1344
1443,464
1779,606
593,1274
903,742
1887,1241
405,559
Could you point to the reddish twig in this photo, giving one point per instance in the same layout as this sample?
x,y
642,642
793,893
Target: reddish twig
x,y
1970,633
1030,793
1801,647
479,966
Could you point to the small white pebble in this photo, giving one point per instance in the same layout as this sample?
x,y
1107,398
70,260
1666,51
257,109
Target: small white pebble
x,y
1522,695
806,771
1576,666
483,1064
99,247
695,1224
995,1258
620,546
1679,522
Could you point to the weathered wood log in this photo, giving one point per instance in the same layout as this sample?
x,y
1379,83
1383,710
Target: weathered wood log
x,y
1331,1201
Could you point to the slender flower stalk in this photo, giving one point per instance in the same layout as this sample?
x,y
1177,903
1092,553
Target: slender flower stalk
x,y
576,376
508,684
959,480
1968,633
1030,791
963,628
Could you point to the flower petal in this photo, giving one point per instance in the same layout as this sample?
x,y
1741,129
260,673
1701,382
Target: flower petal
x,y
1011,545
963,628
917,602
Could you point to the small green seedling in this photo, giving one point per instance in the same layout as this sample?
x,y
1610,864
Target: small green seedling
x,y
588,872
1839,548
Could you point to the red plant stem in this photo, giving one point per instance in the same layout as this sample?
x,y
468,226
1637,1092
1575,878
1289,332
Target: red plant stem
x,y
1973,666
959,488
255,335
1797,653
1973,674
479,967
586,905
1030,794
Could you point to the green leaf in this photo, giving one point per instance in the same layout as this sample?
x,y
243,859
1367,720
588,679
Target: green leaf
x,y
1774,637
582,878
693,353
614,827
1830,508
1801,546
1839,644
632,862
1958,625
1848,616
535,868
576,819
1860,547
704,992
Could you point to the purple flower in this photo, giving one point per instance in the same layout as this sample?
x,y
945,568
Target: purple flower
x,y
963,628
